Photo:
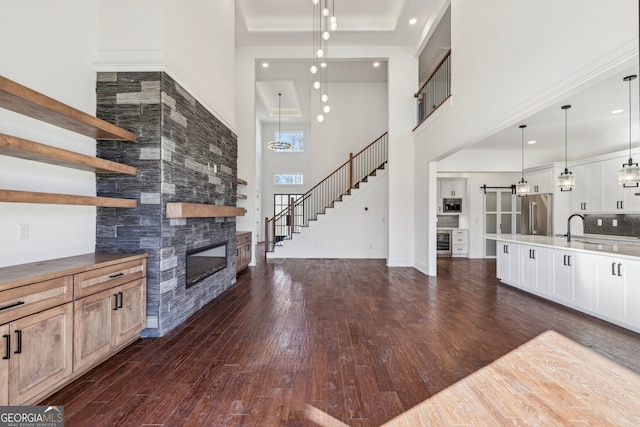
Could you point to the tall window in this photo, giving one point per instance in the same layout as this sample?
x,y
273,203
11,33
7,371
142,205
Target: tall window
x,y
295,138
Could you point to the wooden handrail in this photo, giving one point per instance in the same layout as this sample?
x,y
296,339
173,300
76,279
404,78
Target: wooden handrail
x,y
327,191
435,70
369,146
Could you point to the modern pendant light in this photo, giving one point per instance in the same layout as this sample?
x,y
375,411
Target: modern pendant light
x,y
277,144
522,187
566,181
629,175
324,22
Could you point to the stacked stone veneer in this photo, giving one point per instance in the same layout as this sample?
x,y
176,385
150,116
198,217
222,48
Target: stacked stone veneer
x,y
183,154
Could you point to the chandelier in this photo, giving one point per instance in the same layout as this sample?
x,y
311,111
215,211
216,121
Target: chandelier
x,y
277,143
522,187
324,22
629,175
566,180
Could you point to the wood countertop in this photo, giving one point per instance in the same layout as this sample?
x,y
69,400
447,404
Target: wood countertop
x,y
24,274
630,251
547,381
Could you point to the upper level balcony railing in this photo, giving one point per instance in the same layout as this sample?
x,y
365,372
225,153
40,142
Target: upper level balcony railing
x,y
435,91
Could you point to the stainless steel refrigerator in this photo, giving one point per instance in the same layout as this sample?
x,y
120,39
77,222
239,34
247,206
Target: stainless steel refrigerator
x,y
536,215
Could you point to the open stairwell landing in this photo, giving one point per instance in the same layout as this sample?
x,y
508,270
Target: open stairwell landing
x,y
358,233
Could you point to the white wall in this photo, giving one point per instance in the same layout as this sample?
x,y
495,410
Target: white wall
x,y
359,114
53,48
402,83
356,228
48,47
194,44
512,59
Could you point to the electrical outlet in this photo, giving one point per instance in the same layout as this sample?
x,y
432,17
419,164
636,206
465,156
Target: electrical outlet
x,y
615,223
24,231
599,223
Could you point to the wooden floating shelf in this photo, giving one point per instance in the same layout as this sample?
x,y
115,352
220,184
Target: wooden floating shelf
x,y
241,196
21,99
198,210
14,196
29,150
241,181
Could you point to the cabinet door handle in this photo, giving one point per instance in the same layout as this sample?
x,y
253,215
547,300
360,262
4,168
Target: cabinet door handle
x,y
613,268
506,249
115,305
569,260
533,253
7,351
564,260
621,204
121,299
619,272
19,349
16,304
113,276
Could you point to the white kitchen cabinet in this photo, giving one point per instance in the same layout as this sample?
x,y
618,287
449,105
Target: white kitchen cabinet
x,y
617,290
631,293
459,243
540,181
572,278
452,188
508,263
609,287
586,196
535,269
615,197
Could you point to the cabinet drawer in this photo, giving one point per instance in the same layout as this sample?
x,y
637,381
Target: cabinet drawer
x,y
460,240
243,238
97,280
26,300
459,249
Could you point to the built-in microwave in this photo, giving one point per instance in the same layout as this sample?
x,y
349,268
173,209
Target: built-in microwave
x,y
452,205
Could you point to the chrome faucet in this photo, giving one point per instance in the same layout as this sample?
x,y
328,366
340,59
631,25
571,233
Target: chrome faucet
x,y
569,226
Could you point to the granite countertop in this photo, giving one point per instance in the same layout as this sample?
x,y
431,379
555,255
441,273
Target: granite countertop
x,y
630,251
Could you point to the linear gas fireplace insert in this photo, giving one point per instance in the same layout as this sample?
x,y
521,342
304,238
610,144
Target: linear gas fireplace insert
x,y
203,262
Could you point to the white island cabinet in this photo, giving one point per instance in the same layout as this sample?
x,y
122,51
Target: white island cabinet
x,y
597,279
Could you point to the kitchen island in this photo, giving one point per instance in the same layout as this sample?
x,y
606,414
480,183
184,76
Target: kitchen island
x,y
598,279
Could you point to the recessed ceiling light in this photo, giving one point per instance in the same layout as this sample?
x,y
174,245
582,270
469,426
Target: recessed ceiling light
x,y
376,64
531,142
413,21
265,65
618,111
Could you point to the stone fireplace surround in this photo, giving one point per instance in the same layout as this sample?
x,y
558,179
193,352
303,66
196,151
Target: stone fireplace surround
x,y
184,154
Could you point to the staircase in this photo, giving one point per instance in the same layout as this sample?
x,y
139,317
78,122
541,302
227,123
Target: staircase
x,y
324,195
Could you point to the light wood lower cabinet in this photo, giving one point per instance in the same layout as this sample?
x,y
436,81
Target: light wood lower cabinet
x,y
49,336
243,250
106,320
37,354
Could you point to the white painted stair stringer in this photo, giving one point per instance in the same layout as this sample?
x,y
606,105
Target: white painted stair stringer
x,y
355,227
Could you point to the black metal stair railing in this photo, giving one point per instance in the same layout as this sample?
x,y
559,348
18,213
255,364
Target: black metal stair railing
x,y
435,90
324,194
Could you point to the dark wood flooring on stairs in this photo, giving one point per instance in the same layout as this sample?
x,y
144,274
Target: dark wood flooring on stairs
x,y
352,339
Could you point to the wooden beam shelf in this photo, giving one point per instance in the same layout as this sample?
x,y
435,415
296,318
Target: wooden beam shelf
x,y
241,196
29,150
198,210
240,181
14,196
21,99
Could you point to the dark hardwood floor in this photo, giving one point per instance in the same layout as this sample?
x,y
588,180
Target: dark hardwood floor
x,y
353,339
